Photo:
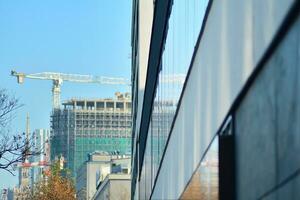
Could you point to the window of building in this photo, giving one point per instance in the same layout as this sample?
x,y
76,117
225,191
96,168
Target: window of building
x,y
120,105
109,104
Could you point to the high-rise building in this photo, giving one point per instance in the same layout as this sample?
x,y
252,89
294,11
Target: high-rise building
x,y
41,145
233,129
33,169
83,126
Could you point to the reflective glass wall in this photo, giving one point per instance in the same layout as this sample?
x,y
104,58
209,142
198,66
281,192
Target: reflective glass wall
x,y
183,30
204,184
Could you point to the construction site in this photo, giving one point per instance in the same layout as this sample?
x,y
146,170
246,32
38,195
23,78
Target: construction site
x,y
83,126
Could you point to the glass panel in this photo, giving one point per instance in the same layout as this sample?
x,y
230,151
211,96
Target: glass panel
x,y
183,29
205,182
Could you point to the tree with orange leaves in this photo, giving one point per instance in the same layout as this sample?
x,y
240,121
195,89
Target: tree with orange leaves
x,y
55,186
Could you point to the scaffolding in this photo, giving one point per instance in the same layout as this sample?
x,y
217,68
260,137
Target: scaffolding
x,y
83,126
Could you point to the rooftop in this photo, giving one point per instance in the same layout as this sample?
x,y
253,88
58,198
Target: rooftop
x,y
120,102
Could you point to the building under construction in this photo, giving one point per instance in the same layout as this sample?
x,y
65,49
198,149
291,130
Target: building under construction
x,y
83,126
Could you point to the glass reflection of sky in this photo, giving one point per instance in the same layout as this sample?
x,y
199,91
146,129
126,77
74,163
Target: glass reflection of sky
x,y
183,30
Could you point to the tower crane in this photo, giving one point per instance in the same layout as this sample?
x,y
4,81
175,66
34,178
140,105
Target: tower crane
x,y
58,78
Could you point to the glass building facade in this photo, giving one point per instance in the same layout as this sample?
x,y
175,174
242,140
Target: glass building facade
x,y
215,116
183,29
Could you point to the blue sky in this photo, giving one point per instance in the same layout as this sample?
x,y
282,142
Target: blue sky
x,y
70,36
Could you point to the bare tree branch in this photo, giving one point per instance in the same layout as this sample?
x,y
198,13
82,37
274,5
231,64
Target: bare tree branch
x,y
14,149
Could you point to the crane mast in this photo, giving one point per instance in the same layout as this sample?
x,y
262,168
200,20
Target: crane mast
x,y
58,78
56,93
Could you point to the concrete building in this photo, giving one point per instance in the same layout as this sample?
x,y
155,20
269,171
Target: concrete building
x,y
114,186
85,126
96,169
235,119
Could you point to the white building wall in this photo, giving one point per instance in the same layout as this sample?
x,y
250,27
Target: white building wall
x,y
144,31
120,189
236,35
115,187
92,170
